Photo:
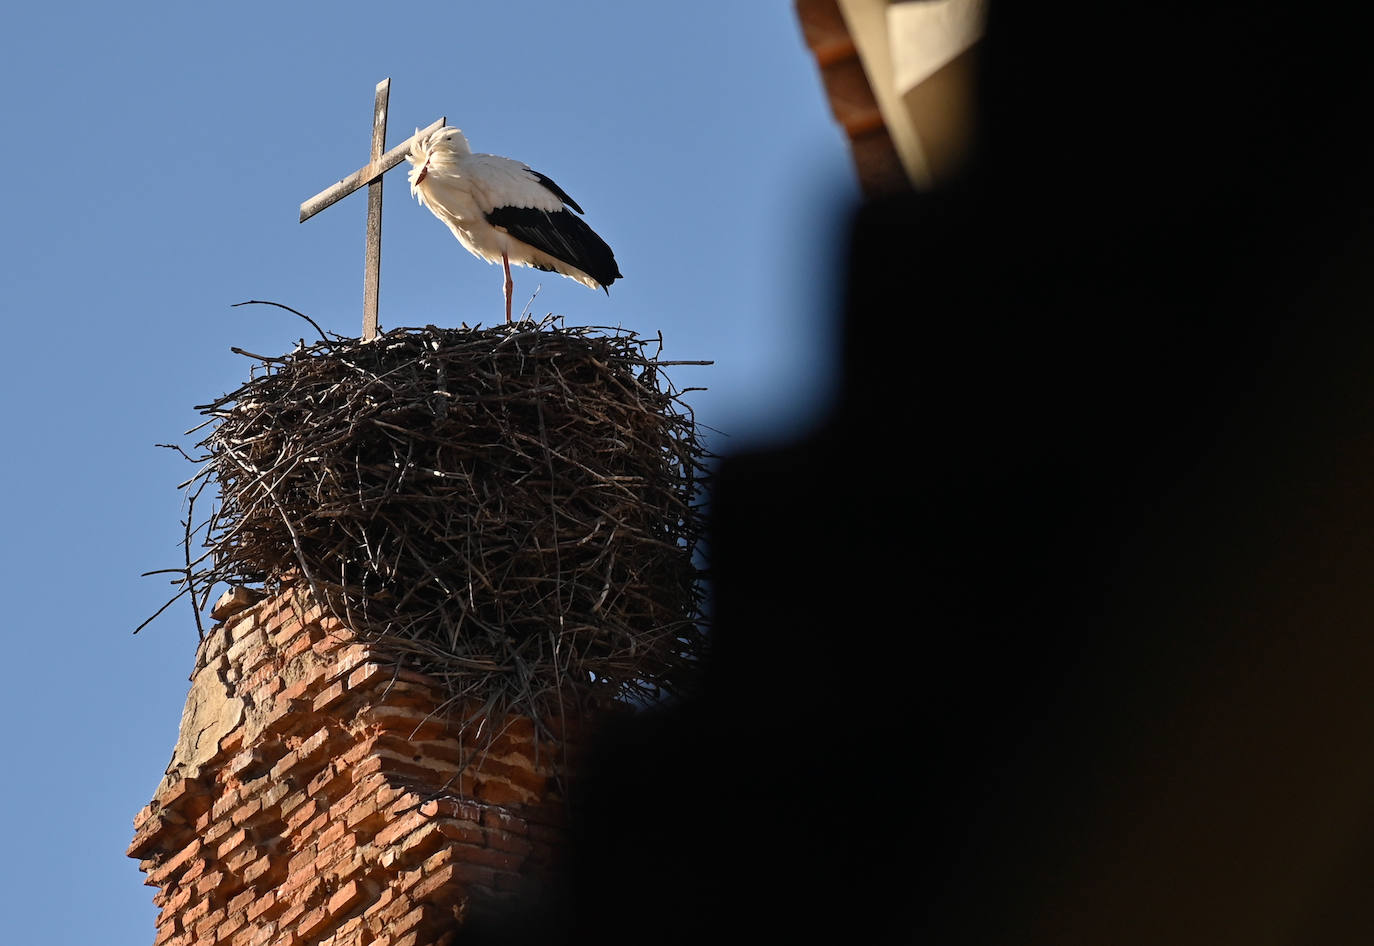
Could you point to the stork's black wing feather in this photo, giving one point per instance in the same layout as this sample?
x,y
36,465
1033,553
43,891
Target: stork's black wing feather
x,y
561,234
551,187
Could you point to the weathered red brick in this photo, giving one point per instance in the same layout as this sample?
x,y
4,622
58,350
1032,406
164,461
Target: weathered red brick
x,y
199,907
354,932
521,774
226,803
245,811
231,925
346,898
241,901
299,883
248,640
407,920
194,870
181,792
208,925
312,748
384,900
435,881
366,674
296,644
335,830
201,824
263,906
231,743
365,791
290,802
420,844
291,916
397,800
258,652
209,883
150,839
146,814
174,896
390,744
447,751
237,862
245,935
231,843
399,828
315,825
364,818
504,821
304,857
328,784
510,741
264,935
166,931
412,723
246,763
294,691
273,795
215,831
400,692
264,682
312,923
369,786
258,868
496,792
329,855
356,753
185,938
466,832
355,864
443,856
344,657
283,626
426,771
456,808
174,865
301,815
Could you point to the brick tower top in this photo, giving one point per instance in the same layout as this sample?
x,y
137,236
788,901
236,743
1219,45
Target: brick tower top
x,y
320,795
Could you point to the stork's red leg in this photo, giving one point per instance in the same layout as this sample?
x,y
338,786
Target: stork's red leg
x,y
505,261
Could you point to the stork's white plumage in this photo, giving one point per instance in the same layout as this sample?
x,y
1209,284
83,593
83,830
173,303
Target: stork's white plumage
x,y
500,209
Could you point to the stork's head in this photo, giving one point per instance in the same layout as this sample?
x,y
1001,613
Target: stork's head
x,y
435,149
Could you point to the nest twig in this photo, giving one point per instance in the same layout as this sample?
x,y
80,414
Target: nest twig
x,y
514,510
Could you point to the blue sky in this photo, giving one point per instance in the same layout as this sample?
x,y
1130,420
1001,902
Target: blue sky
x,y
154,160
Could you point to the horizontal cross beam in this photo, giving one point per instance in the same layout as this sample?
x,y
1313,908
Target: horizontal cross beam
x,y
364,175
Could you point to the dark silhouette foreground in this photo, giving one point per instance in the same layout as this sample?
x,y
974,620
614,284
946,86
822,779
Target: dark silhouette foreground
x,y
1058,631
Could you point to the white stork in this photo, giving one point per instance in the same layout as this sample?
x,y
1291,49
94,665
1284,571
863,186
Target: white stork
x,y
499,209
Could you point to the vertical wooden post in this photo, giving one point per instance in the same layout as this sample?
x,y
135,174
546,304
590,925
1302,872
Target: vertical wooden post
x,y
372,273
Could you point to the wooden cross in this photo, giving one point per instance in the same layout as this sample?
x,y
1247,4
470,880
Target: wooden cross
x,y
370,175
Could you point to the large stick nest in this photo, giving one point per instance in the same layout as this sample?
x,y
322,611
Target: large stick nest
x,y
513,509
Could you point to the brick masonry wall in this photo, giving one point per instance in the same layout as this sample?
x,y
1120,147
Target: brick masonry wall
x,y
317,796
